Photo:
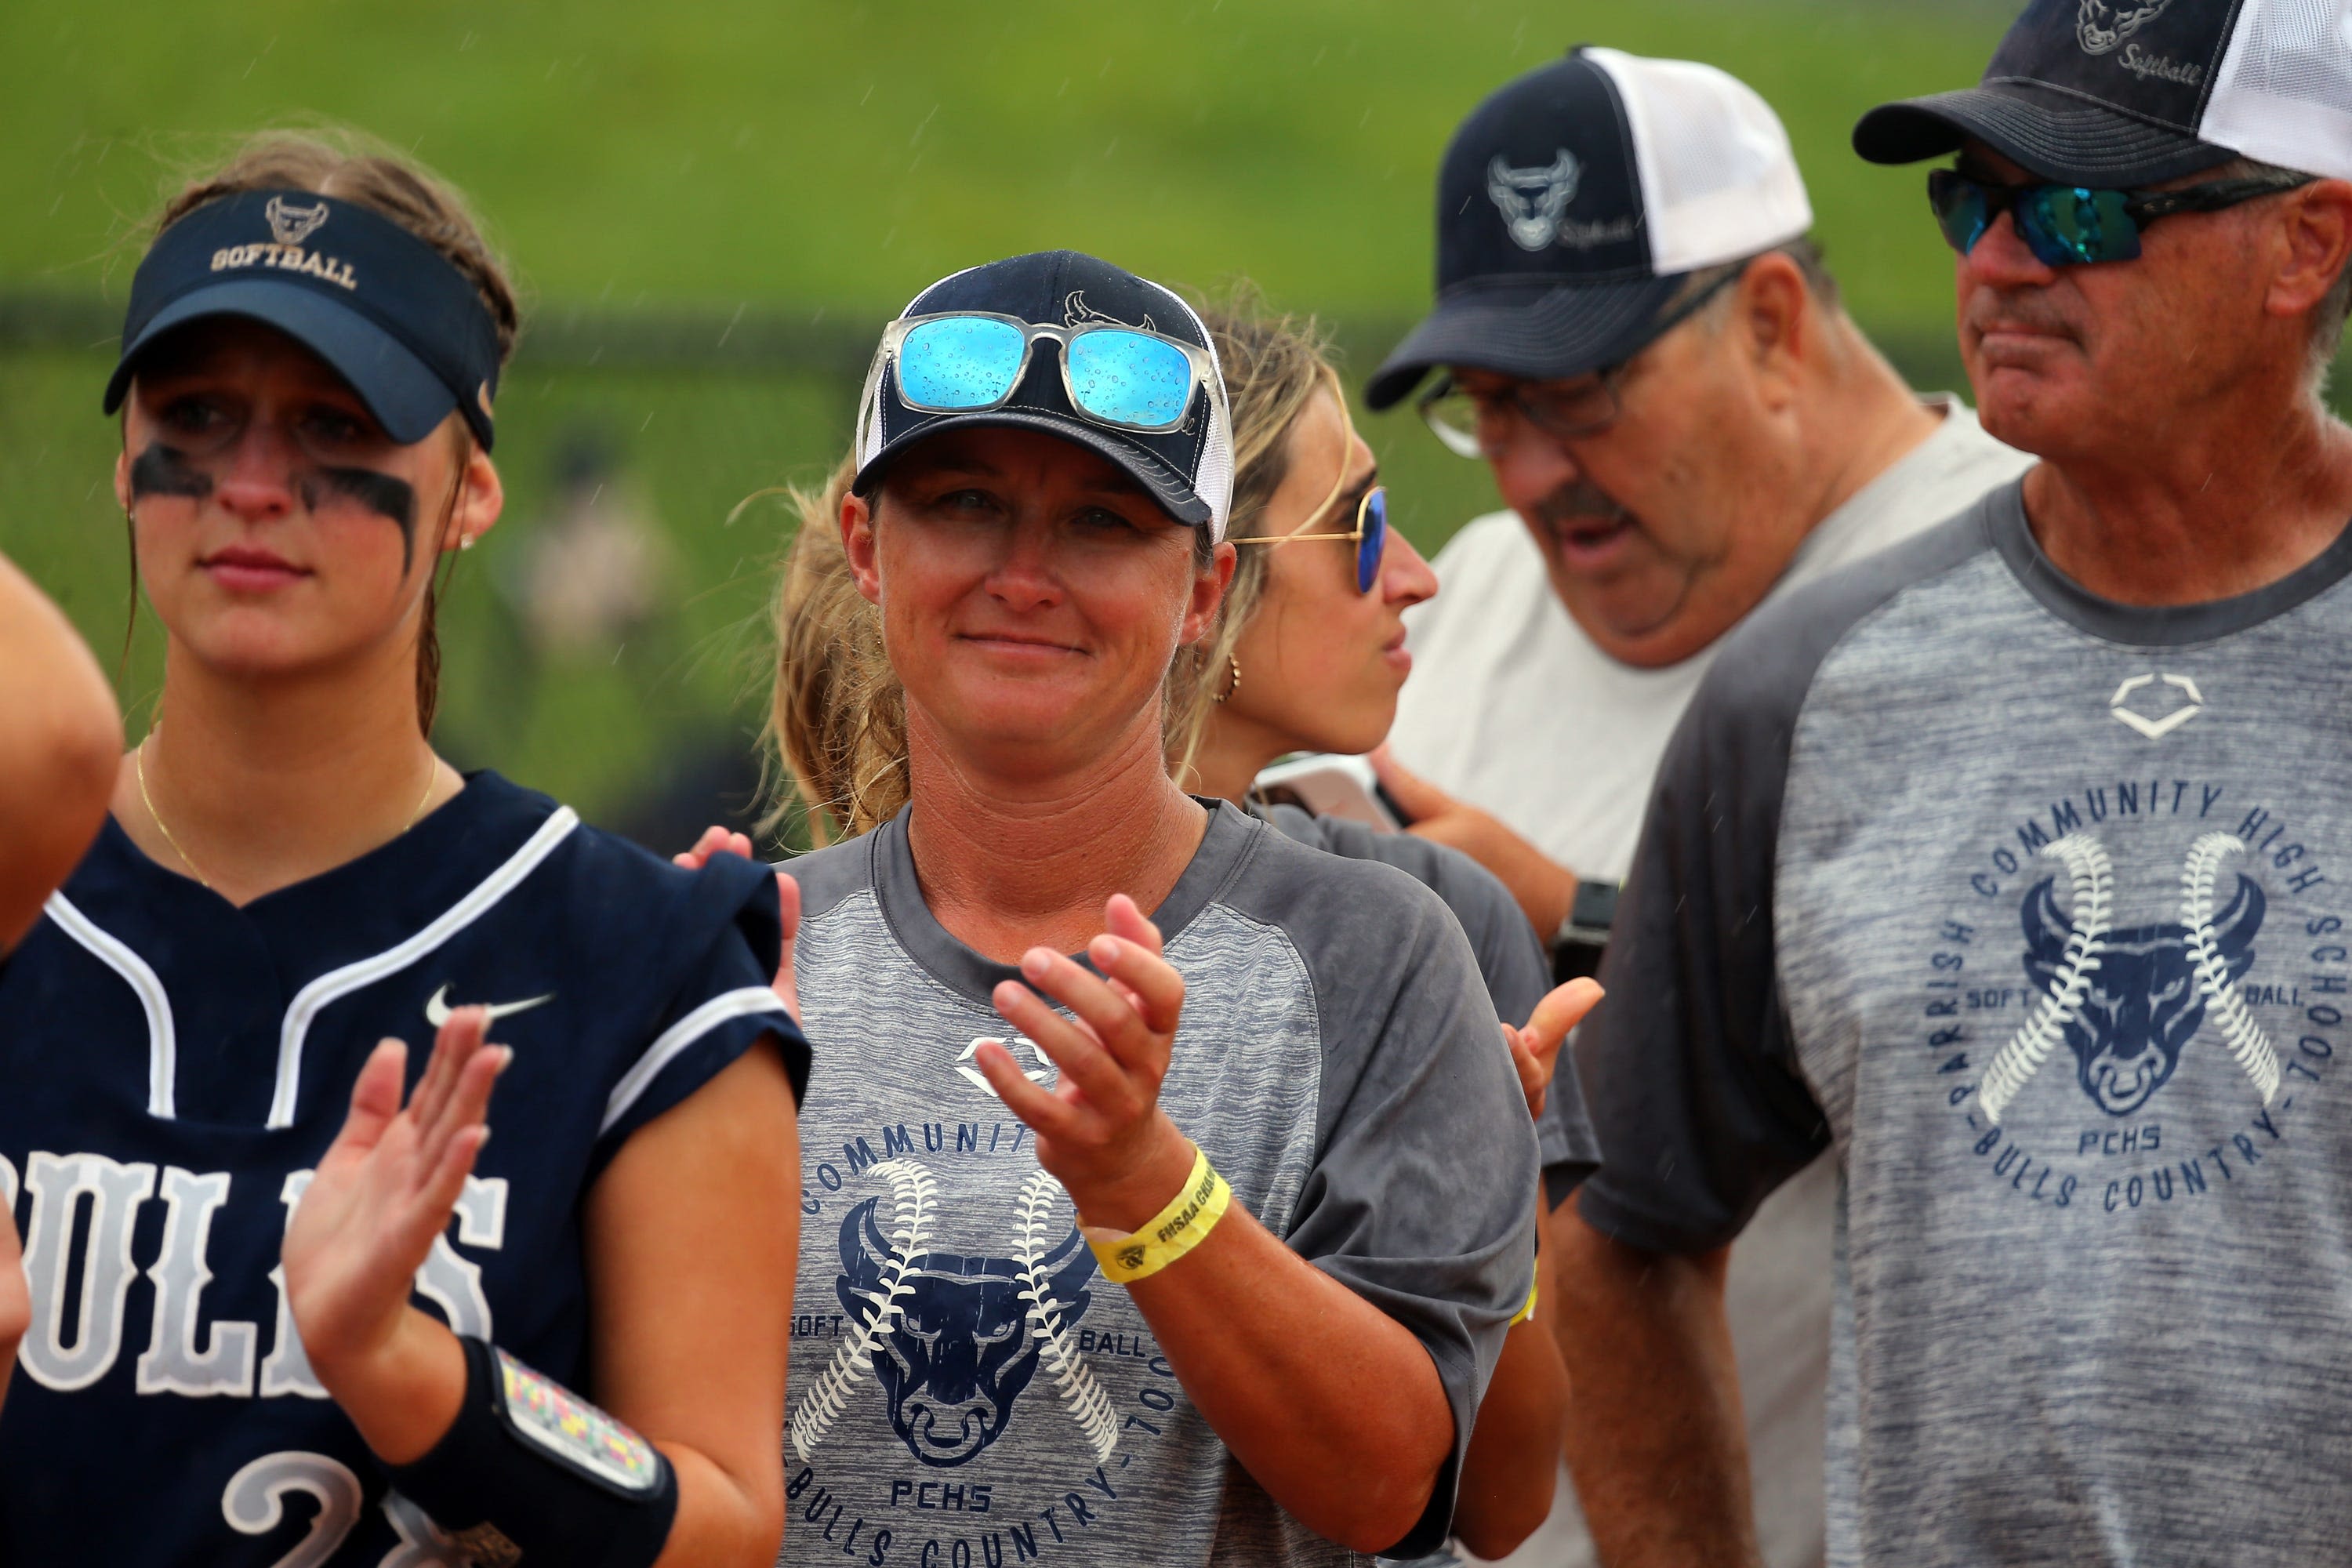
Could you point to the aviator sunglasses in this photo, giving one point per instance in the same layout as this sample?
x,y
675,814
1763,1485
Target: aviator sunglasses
x,y
2074,226
1370,536
970,361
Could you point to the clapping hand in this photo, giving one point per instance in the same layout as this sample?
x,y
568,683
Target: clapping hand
x,y
720,841
1535,1046
385,1190
1100,1131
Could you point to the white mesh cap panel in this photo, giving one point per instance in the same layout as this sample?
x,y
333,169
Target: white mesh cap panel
x,y
2284,94
1215,482
1719,181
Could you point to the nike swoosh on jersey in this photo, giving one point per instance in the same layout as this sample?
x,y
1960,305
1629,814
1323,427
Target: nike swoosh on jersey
x,y
437,1008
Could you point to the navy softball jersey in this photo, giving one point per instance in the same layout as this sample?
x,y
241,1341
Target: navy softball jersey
x,y
172,1066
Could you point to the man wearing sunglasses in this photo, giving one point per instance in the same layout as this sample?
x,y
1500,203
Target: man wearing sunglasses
x,y
2013,867
1633,332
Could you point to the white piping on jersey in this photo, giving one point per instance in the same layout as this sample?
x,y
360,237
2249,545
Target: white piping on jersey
x,y
340,982
162,1042
727,1005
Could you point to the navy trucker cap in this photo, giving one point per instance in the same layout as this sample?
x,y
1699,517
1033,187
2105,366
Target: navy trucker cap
x,y
1574,204
1188,470
389,313
2079,92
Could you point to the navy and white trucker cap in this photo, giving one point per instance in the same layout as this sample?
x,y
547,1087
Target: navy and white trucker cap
x,y
2100,93
1573,203
1188,470
391,315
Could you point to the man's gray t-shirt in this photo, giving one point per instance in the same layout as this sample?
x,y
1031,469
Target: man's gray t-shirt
x,y
2032,907
966,1387
1514,708
1509,957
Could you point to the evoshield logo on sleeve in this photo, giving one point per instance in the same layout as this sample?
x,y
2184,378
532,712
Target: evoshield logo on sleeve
x,y
1533,201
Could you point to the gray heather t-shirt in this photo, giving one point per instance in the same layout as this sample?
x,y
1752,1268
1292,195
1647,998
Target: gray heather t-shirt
x,y
1509,957
966,1388
2032,907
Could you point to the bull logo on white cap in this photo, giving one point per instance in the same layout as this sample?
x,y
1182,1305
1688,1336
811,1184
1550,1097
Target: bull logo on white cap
x,y
291,225
2100,26
1533,201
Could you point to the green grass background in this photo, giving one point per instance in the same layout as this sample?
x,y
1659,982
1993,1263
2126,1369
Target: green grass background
x,y
790,156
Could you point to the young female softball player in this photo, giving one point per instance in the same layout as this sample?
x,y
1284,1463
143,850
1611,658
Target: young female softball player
x,y
256,1335
1201,1247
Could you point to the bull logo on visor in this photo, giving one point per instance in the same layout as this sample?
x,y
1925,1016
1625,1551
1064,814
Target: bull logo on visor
x,y
291,225
2100,26
1533,201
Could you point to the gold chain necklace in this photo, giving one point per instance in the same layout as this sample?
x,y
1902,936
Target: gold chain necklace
x,y
138,767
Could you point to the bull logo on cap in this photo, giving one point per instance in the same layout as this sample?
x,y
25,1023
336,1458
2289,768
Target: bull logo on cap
x,y
291,225
1533,201
2100,26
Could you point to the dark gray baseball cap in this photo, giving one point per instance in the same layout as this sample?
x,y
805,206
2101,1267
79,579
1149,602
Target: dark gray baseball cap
x,y
2106,94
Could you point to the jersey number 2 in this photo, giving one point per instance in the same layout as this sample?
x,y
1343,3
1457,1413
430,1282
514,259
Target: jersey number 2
x,y
255,1504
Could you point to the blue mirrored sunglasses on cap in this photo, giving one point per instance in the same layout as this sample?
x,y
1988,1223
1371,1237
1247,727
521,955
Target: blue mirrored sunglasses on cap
x,y
970,362
2074,226
1370,536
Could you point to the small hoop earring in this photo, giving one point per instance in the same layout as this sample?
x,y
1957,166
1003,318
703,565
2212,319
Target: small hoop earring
x,y
1225,696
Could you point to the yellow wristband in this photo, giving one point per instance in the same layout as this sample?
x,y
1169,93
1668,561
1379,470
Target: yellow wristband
x,y
1128,1256
1527,1312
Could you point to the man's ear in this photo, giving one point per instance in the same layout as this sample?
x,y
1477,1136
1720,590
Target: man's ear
x,y
857,544
1772,314
122,479
2317,234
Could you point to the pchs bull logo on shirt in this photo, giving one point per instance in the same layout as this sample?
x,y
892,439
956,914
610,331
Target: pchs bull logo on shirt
x,y
2100,26
1533,201
953,1340
2127,999
2182,945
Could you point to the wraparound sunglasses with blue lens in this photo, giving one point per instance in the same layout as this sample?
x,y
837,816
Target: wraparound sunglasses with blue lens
x,y
2074,226
1371,536
969,361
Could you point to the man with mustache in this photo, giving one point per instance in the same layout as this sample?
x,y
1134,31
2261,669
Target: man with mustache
x,y
1639,340
2010,867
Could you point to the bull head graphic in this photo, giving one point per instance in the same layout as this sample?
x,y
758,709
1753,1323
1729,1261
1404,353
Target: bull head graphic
x,y
291,225
1533,201
960,1346
2128,1000
2100,26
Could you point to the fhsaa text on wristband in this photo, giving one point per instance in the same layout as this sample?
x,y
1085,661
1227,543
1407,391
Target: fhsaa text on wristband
x,y
1128,1256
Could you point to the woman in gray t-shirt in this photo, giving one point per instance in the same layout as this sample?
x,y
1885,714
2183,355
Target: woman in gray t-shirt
x,y
1014,1336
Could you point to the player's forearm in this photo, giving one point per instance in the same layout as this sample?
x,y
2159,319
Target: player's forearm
x,y
1509,1472
1655,1437
1279,1356
60,746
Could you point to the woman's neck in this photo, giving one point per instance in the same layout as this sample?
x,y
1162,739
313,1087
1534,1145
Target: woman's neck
x,y
253,787
1009,864
1233,752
